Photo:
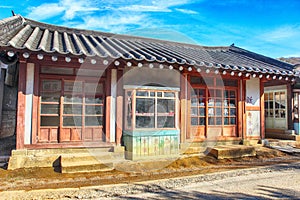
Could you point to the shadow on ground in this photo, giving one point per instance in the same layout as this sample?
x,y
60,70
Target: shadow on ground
x,y
265,192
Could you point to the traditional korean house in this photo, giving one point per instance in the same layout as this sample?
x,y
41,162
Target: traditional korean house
x,y
89,89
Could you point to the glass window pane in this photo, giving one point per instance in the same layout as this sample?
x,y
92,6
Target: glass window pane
x,y
94,110
194,121
232,94
144,122
232,103
169,94
202,121
218,102
226,94
266,96
72,109
218,111
73,86
194,111
202,92
226,112
93,100
211,112
219,93
49,121
165,122
142,93
201,111
282,113
72,99
166,106
232,121
144,105
50,97
72,121
159,94
49,108
226,121
211,121
94,121
232,111
152,94
271,96
51,85
194,101
218,121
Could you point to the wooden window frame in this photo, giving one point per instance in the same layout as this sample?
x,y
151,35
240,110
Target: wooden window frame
x,y
131,114
213,87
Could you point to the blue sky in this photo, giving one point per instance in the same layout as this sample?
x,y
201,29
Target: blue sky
x,y
269,27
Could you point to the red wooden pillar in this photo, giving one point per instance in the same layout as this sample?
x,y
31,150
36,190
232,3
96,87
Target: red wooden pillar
x,y
241,102
119,107
20,127
262,110
243,106
108,105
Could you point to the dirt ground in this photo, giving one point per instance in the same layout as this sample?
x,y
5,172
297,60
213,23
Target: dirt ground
x,y
29,179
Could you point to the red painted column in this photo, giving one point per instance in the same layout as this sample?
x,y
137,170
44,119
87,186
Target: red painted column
x,y
20,127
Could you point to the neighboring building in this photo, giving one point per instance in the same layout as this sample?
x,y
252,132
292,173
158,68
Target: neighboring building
x,y
80,88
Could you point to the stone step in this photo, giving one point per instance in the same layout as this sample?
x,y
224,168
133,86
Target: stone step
x,y
89,163
57,151
56,160
192,150
231,151
283,143
287,149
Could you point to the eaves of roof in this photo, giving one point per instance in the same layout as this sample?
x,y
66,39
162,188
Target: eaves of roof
x,y
27,35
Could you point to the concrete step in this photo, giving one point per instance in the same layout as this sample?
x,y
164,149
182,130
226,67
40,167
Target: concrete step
x,y
57,151
192,150
283,143
287,149
89,163
65,157
231,151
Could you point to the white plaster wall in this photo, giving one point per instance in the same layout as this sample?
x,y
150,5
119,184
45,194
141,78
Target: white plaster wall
x,y
28,102
253,92
113,105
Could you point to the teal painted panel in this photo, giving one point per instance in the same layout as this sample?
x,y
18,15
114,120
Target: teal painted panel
x,y
141,143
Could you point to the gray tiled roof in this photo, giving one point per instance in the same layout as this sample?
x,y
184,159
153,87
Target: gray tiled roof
x,y
28,35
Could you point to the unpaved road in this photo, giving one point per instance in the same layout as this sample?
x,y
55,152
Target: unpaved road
x,y
280,181
282,184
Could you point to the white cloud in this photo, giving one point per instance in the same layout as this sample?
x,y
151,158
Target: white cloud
x,y
69,9
282,33
113,23
45,11
153,6
186,11
144,8
5,6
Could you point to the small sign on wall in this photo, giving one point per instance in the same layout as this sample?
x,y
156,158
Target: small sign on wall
x,y
253,123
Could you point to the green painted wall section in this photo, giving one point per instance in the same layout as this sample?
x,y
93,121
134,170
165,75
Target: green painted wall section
x,y
141,144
